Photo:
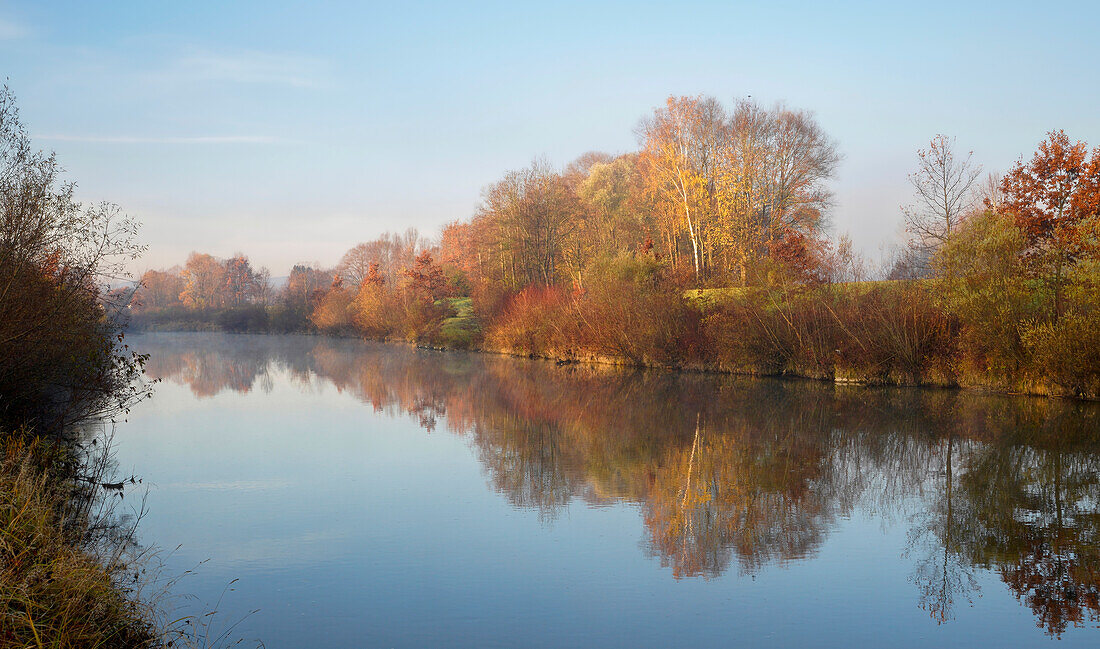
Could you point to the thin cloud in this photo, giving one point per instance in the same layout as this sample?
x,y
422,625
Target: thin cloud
x,y
254,67
10,30
127,139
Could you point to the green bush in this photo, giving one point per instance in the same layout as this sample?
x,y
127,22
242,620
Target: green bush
x,y
1066,355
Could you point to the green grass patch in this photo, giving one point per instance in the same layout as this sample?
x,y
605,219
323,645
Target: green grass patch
x,y
462,329
708,298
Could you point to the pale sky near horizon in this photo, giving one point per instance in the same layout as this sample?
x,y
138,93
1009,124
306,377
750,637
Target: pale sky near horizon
x,y
292,132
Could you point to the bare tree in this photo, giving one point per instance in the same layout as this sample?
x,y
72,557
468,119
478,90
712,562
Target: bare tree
x,y
531,212
943,187
804,158
993,197
393,252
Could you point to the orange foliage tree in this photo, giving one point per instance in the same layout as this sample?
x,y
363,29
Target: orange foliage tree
x,y
204,282
1055,198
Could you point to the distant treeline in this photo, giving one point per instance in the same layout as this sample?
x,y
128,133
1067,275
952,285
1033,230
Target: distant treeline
x,y
707,248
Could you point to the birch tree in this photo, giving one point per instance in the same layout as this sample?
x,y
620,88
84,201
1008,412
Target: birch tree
x,y
680,143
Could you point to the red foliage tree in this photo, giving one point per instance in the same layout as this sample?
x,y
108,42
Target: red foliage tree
x,y
801,255
1054,198
426,277
1060,187
373,277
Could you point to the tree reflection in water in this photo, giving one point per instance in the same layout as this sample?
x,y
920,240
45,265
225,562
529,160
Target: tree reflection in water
x,y
726,469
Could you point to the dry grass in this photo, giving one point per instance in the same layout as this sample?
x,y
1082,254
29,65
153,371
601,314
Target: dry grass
x,y
71,573
54,590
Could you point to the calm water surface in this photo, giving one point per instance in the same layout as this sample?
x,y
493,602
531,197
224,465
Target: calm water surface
x,y
379,496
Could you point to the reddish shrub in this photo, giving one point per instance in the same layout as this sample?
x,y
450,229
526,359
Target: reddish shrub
x,y
532,322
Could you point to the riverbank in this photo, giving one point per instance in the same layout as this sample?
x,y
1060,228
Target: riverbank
x,y
797,337
66,575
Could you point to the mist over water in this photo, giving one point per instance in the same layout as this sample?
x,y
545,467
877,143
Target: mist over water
x,y
378,495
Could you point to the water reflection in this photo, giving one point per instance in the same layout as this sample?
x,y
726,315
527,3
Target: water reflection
x,y
736,474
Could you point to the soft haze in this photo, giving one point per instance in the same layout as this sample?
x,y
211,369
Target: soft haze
x,y
291,132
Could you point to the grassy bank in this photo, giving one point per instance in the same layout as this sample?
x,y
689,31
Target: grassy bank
x,y
872,333
63,580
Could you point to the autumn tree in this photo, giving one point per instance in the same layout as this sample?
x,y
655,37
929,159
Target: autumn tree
x,y
739,182
1055,200
986,290
804,158
159,289
374,310
617,215
263,291
60,360
333,310
242,283
373,277
304,284
679,151
393,252
204,280
426,277
528,215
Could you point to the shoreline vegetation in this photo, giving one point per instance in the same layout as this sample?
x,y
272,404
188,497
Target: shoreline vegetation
x,y
72,573
708,249
920,363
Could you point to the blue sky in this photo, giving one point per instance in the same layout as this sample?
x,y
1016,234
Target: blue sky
x,y
293,132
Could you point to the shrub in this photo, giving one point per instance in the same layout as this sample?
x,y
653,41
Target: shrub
x,y
333,312
420,316
373,311
531,323
284,319
248,318
746,337
984,285
893,333
1066,355
789,330
490,299
633,311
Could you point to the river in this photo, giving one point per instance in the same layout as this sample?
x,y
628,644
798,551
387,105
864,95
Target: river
x,y
363,494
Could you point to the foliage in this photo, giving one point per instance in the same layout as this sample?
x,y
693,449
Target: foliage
x,y
532,323
62,354
1055,200
894,333
333,311
633,311
1056,190
388,255
982,283
1066,354
426,278
591,261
